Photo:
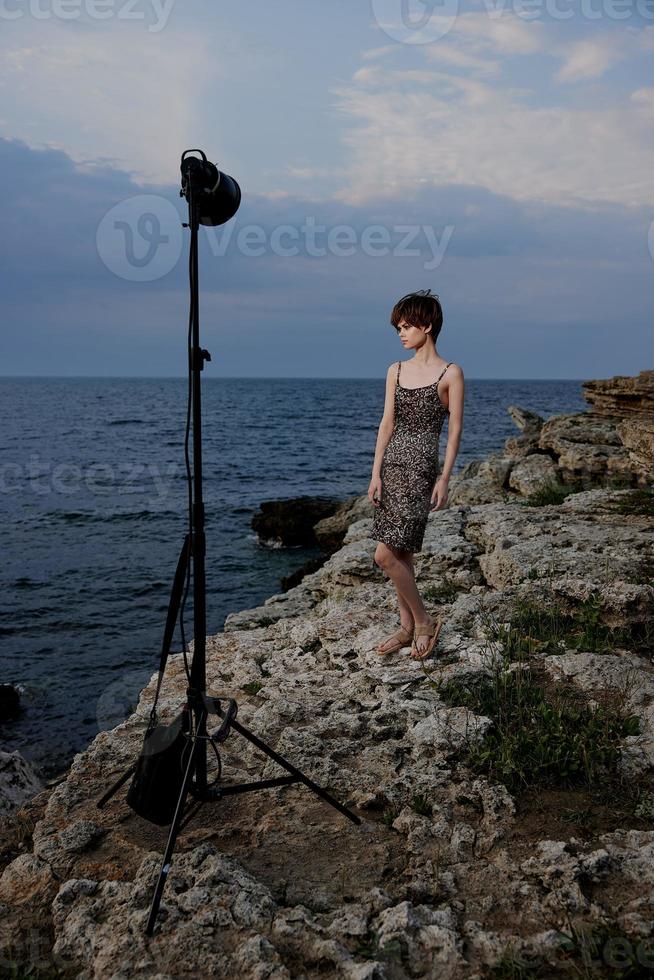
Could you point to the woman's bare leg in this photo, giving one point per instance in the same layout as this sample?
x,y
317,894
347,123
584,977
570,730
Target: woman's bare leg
x,y
398,565
406,616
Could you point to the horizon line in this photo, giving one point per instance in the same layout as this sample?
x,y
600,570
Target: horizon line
x,y
261,377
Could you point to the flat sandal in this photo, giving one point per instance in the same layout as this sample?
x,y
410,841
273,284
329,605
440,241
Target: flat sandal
x,y
428,630
402,639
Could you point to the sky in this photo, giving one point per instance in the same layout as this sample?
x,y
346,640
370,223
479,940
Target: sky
x,y
499,153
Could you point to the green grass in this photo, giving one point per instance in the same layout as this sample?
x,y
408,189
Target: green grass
x,y
445,591
545,734
389,815
536,741
551,493
531,627
252,687
639,502
539,626
589,633
420,804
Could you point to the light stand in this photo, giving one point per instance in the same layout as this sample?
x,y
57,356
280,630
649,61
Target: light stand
x,y
213,198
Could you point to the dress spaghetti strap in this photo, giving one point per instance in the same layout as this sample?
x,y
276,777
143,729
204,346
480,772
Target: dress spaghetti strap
x,y
439,381
444,370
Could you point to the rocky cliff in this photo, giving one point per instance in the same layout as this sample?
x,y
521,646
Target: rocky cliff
x,y
505,786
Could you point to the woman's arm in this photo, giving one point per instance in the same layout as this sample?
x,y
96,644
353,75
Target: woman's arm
x,y
456,391
387,423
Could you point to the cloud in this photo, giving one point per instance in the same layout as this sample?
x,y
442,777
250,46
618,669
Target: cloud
x,y
512,275
507,35
52,212
589,58
644,97
412,126
371,53
447,54
118,93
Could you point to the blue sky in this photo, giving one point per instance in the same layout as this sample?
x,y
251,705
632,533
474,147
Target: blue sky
x,y
499,153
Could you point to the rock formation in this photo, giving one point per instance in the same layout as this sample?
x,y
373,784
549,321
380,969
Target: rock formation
x,y
450,873
631,402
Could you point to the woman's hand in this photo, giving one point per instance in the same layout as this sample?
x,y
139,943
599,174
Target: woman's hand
x,y
375,491
439,494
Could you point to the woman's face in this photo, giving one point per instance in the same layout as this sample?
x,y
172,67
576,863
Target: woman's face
x,y
410,336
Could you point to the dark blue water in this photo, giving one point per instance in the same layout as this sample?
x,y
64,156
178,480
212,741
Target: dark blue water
x,y
94,510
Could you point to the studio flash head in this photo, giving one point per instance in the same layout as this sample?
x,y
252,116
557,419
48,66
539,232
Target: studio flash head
x,y
216,195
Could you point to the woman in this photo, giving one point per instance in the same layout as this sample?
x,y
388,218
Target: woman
x,y
406,484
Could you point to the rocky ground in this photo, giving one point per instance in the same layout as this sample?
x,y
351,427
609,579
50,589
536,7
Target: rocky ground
x,y
505,786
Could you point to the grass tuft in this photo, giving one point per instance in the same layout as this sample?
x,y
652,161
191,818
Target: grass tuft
x,y
539,626
639,502
252,687
536,740
551,493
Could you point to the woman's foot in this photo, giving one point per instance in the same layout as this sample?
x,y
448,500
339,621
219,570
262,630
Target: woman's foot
x,y
398,640
424,642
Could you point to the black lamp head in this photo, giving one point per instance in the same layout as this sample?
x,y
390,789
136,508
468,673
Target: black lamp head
x,y
216,195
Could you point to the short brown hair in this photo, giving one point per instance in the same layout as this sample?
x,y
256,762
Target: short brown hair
x,y
421,309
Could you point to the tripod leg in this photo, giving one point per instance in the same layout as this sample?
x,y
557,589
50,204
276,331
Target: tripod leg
x,y
116,786
280,760
172,836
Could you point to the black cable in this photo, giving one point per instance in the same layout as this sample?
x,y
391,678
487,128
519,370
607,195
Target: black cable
x,y
189,476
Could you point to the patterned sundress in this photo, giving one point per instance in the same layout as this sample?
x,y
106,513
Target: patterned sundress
x,y
410,466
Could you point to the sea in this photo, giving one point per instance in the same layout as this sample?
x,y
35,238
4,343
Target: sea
x,y
94,499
